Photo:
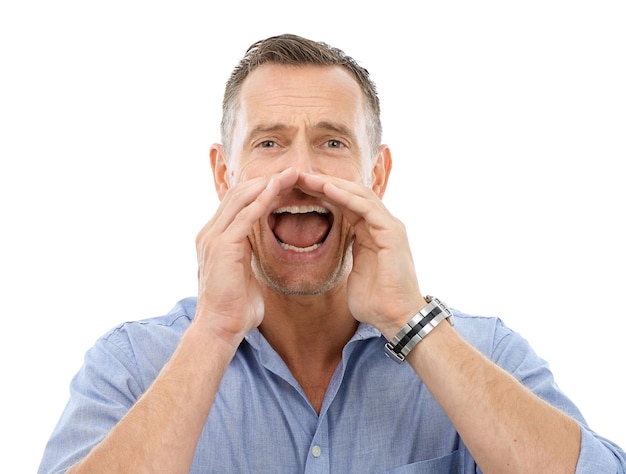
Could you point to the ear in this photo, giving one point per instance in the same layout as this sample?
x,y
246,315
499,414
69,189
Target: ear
x,y
220,170
381,170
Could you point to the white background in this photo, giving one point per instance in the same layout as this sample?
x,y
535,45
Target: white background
x,y
507,123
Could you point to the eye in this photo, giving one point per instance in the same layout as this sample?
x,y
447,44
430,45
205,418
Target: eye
x,y
267,144
334,144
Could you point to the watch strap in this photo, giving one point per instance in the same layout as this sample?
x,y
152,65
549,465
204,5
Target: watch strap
x,y
427,319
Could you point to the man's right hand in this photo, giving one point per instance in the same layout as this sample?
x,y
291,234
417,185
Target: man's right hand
x,y
229,295
161,430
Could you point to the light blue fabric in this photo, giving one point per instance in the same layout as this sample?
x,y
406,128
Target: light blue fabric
x,y
377,416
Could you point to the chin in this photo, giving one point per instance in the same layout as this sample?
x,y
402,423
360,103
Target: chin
x,y
301,285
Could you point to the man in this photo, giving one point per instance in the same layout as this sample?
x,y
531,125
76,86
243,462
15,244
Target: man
x,y
285,362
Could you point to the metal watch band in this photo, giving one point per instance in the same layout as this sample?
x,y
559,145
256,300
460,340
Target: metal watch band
x,y
417,328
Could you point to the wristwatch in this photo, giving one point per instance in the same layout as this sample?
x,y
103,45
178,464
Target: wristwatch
x,y
417,328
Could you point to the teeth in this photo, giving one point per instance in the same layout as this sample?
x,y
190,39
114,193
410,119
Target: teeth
x,y
298,249
301,209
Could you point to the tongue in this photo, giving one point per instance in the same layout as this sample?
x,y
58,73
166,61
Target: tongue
x,y
301,230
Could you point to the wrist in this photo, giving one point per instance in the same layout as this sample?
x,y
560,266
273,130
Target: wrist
x,y
394,325
225,332
417,328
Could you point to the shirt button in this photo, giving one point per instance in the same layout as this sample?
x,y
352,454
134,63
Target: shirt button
x,y
316,451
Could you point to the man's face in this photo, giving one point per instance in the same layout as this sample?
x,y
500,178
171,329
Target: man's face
x,y
313,119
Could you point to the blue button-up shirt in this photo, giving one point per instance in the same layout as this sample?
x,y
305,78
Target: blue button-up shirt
x,y
376,417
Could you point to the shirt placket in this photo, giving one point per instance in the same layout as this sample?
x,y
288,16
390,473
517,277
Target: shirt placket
x,y
318,457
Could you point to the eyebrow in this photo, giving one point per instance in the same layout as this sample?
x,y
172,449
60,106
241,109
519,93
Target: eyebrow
x,y
262,129
334,127
323,125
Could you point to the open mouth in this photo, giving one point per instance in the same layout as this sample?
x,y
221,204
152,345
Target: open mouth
x,y
301,228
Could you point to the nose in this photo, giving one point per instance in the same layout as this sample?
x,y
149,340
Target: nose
x,y
301,157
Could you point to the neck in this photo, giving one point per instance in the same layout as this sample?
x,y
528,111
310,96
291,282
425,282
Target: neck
x,y
309,327
309,333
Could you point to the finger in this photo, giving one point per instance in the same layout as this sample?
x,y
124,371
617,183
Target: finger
x,y
354,199
245,219
247,192
236,198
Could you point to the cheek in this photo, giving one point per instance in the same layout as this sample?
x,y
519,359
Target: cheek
x,y
254,169
254,237
355,171
231,177
347,231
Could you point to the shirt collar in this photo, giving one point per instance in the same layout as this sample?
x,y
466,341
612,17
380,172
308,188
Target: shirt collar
x,y
364,331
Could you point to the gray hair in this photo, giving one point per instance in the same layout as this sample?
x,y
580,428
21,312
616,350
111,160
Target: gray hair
x,y
297,51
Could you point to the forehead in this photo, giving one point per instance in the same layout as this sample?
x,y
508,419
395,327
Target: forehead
x,y
301,90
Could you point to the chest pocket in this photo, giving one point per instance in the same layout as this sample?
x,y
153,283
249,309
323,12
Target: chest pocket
x,y
452,463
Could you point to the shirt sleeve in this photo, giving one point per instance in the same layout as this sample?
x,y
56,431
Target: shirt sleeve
x,y
101,393
513,353
599,455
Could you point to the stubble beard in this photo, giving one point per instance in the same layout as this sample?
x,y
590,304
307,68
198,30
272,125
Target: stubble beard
x,y
304,287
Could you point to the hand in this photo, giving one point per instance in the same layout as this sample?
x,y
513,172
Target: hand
x,y
382,288
229,295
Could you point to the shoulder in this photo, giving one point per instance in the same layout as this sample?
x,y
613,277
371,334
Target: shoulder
x,y
175,322
149,340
